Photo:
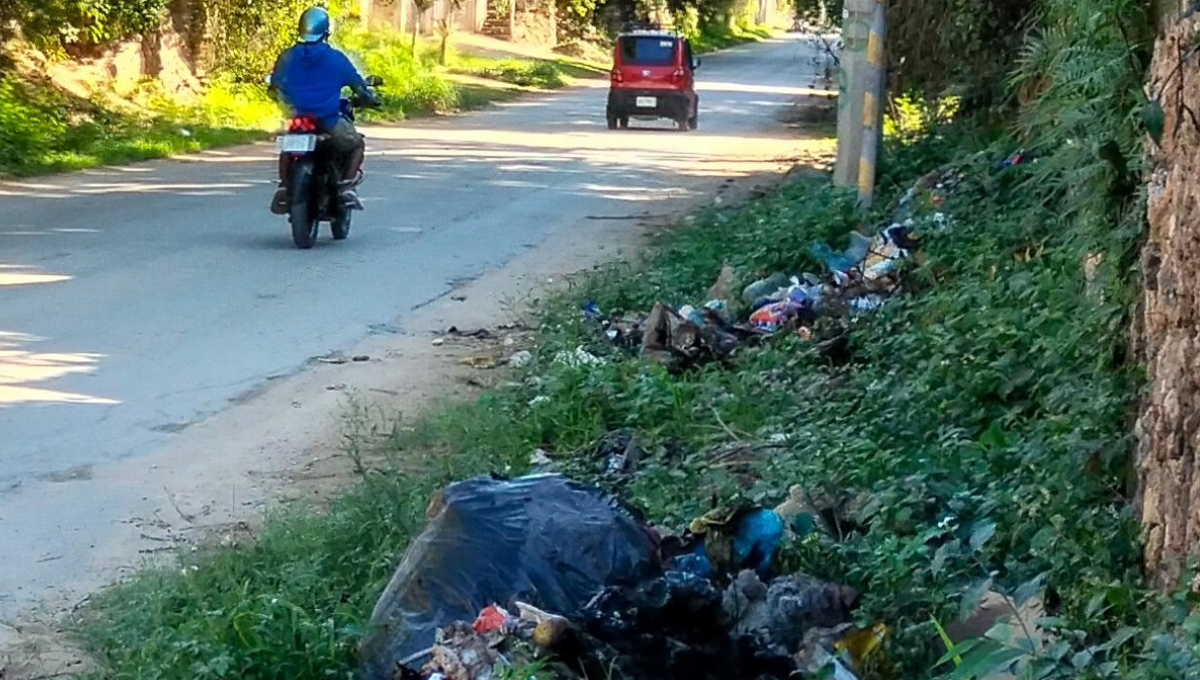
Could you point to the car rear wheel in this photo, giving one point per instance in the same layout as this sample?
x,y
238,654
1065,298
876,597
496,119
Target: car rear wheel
x,y
693,122
612,122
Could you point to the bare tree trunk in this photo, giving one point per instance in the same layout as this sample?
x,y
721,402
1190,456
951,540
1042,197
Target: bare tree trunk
x,y
1165,333
445,28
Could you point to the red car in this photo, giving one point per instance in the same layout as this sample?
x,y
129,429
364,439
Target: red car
x,y
653,76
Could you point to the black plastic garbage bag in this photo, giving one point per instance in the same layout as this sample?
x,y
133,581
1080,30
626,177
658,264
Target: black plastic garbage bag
x,y
681,626
543,539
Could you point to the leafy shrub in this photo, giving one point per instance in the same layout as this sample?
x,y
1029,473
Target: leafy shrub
x,y
27,125
86,22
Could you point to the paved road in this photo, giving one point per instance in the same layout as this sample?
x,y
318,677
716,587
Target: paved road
x,y
134,301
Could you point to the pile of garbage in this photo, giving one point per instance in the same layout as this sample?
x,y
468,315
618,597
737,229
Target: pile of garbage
x,y
857,280
544,570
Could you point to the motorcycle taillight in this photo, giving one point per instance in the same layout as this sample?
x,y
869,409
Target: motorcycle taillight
x,y
302,124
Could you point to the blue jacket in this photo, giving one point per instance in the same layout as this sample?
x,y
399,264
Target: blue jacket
x,y
310,78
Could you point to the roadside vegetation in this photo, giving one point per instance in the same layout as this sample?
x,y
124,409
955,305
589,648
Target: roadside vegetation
x,y
44,129
977,426
722,36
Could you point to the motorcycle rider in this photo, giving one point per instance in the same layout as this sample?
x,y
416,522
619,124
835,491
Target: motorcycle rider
x,y
308,78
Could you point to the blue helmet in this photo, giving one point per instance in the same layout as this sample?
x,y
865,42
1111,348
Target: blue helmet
x,y
314,25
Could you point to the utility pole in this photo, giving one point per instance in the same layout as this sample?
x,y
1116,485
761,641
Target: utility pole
x,y
875,89
851,88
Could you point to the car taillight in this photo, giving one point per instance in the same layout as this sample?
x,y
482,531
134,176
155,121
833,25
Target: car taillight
x,y
302,124
679,76
617,77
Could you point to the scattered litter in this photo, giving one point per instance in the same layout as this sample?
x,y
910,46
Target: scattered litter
x,y
579,357
774,316
540,567
490,541
680,625
478,333
481,362
742,538
438,342
591,312
760,289
620,452
540,458
868,303
336,388
458,298
1019,158
678,342
778,614
332,360
461,653
521,359
722,288
509,572
492,619
858,279
361,358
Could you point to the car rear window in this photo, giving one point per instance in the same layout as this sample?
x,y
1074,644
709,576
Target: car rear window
x,y
648,50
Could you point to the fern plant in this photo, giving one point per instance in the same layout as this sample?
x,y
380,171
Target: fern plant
x,y
1079,76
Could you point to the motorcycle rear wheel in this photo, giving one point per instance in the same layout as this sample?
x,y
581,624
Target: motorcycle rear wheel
x,y
340,226
301,214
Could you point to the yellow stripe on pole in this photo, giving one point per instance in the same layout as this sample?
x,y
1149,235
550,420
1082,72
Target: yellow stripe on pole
x,y
866,178
874,50
870,110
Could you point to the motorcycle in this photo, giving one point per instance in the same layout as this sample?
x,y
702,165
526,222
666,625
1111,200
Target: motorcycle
x,y
314,175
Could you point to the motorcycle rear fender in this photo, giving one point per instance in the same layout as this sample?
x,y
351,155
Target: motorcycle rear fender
x,y
301,178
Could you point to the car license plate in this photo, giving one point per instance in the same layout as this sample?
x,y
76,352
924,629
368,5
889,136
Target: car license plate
x,y
647,102
297,143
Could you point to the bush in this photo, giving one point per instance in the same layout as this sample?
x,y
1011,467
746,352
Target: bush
x,y
54,23
28,123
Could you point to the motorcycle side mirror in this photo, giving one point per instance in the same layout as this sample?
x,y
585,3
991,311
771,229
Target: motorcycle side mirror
x,y
267,80
696,63
374,81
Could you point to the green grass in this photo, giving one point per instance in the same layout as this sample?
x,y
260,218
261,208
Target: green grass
x,y
44,130
981,422
723,37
